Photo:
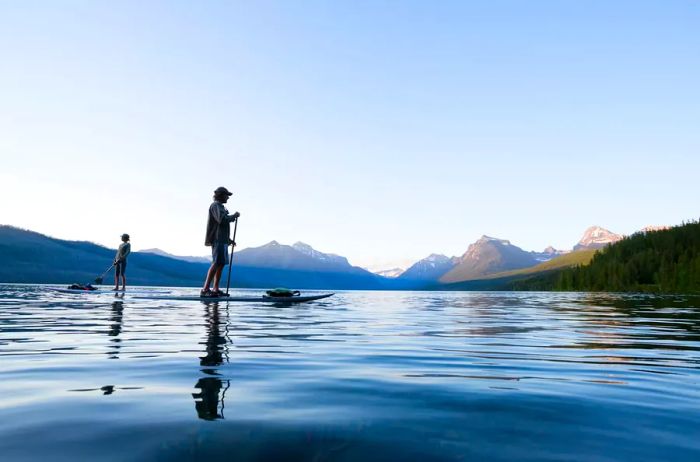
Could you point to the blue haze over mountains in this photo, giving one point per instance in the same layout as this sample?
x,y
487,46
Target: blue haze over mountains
x,y
31,257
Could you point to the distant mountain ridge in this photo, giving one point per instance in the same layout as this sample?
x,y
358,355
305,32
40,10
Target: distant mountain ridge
x,y
390,273
429,269
306,249
479,261
297,256
32,257
486,256
548,253
163,253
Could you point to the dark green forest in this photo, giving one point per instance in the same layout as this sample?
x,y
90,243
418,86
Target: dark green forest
x,y
657,261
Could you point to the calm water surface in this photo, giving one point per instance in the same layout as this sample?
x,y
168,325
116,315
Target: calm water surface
x,y
362,376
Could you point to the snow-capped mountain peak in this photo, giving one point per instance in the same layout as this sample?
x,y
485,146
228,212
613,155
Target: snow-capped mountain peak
x,y
304,248
486,238
436,258
390,273
429,268
548,253
596,237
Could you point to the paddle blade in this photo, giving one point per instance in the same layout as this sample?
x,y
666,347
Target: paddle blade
x,y
98,280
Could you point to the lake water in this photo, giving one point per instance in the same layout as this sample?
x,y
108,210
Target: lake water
x,y
362,376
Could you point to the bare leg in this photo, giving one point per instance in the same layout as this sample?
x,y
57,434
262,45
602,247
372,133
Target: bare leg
x,y
217,277
210,276
123,282
116,280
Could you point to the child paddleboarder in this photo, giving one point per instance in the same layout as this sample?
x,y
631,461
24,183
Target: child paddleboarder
x,y
218,232
120,262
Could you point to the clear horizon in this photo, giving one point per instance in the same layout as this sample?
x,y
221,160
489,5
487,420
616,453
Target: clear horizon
x,y
382,132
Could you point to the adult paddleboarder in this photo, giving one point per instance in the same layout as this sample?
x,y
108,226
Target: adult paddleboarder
x,y
218,232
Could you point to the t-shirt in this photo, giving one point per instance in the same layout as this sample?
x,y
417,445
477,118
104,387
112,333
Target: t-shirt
x,y
123,251
218,227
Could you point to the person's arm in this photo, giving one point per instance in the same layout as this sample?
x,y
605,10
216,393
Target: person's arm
x,y
123,252
218,212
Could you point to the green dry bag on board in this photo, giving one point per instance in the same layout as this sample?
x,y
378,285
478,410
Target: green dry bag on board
x,y
282,292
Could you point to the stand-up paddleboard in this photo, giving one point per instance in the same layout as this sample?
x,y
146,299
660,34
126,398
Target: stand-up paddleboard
x,y
263,299
64,290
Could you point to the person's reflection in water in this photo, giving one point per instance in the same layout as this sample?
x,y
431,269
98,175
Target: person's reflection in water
x,y
207,400
115,329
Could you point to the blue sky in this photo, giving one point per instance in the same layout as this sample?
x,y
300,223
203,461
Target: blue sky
x,y
383,131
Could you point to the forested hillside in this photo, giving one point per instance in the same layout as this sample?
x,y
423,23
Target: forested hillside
x,y
659,261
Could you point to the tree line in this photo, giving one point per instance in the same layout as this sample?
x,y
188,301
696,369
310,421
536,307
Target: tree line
x,y
655,261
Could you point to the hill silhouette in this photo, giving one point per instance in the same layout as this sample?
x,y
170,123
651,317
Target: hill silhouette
x,y
30,257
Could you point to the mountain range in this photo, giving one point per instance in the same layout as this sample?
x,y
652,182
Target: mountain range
x,y
29,257
190,259
32,257
489,255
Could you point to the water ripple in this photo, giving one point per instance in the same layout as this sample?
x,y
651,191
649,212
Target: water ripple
x,y
362,375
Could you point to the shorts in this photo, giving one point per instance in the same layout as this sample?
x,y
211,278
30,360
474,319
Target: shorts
x,y
120,268
219,253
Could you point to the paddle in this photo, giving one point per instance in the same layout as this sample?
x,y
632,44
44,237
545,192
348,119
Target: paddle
x,y
98,280
230,258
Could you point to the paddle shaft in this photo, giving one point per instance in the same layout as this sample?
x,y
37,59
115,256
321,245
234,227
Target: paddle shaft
x,y
99,279
230,257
